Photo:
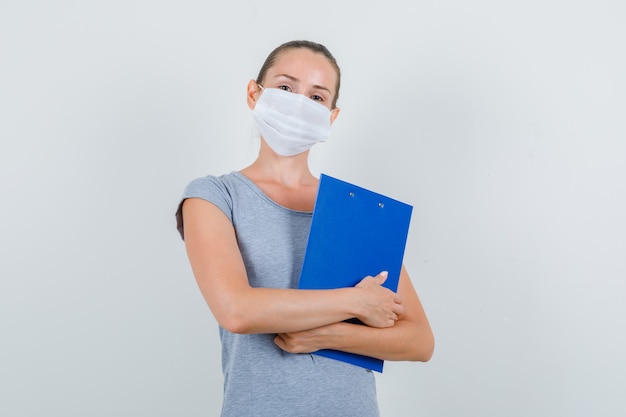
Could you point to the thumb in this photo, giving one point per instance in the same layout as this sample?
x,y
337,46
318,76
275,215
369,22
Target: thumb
x,y
382,277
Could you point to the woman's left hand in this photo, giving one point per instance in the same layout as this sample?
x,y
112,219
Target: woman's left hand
x,y
305,341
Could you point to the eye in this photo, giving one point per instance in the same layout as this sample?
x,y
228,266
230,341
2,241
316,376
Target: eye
x,y
315,97
285,88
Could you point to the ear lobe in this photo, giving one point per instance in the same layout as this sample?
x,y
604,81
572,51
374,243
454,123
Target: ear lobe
x,y
333,114
252,94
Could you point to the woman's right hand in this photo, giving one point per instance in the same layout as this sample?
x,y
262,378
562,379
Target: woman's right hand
x,y
380,305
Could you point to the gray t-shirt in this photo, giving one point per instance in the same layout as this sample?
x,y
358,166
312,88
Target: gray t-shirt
x,y
260,379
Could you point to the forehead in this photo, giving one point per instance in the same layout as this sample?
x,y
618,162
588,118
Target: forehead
x,y
306,66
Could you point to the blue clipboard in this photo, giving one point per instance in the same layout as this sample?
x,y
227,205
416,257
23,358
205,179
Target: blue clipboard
x,y
354,233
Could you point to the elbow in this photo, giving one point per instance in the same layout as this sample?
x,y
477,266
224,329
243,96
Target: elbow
x,y
233,325
428,349
423,348
237,312
236,323
426,352
234,319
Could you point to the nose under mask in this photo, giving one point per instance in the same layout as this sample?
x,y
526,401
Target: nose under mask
x,y
290,123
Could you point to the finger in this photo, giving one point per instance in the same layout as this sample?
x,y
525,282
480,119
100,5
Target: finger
x,y
365,280
398,309
278,340
382,277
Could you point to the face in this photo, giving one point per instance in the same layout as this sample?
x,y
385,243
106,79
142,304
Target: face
x,y
300,71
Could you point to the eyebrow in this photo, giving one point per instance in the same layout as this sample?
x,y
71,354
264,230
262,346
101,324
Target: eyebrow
x,y
292,78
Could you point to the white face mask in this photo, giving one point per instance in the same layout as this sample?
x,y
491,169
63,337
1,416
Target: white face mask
x,y
290,123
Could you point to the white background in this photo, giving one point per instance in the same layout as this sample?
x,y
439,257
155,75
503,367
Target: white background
x,y
503,123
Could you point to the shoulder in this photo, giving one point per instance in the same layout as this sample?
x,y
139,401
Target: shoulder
x,y
199,186
226,185
217,190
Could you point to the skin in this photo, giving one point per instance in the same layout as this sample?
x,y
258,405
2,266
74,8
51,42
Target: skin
x,y
303,320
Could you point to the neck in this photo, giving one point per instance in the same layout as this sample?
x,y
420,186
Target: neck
x,y
288,171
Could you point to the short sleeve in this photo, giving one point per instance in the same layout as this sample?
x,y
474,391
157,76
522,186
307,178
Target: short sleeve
x,y
209,188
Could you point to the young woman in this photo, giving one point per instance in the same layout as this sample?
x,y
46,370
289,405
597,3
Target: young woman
x,y
245,235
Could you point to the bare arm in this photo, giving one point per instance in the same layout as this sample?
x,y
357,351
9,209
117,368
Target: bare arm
x,y
221,276
411,338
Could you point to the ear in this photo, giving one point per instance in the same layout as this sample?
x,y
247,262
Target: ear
x,y
252,94
333,114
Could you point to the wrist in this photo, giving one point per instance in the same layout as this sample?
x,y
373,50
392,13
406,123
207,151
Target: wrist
x,y
356,308
335,334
